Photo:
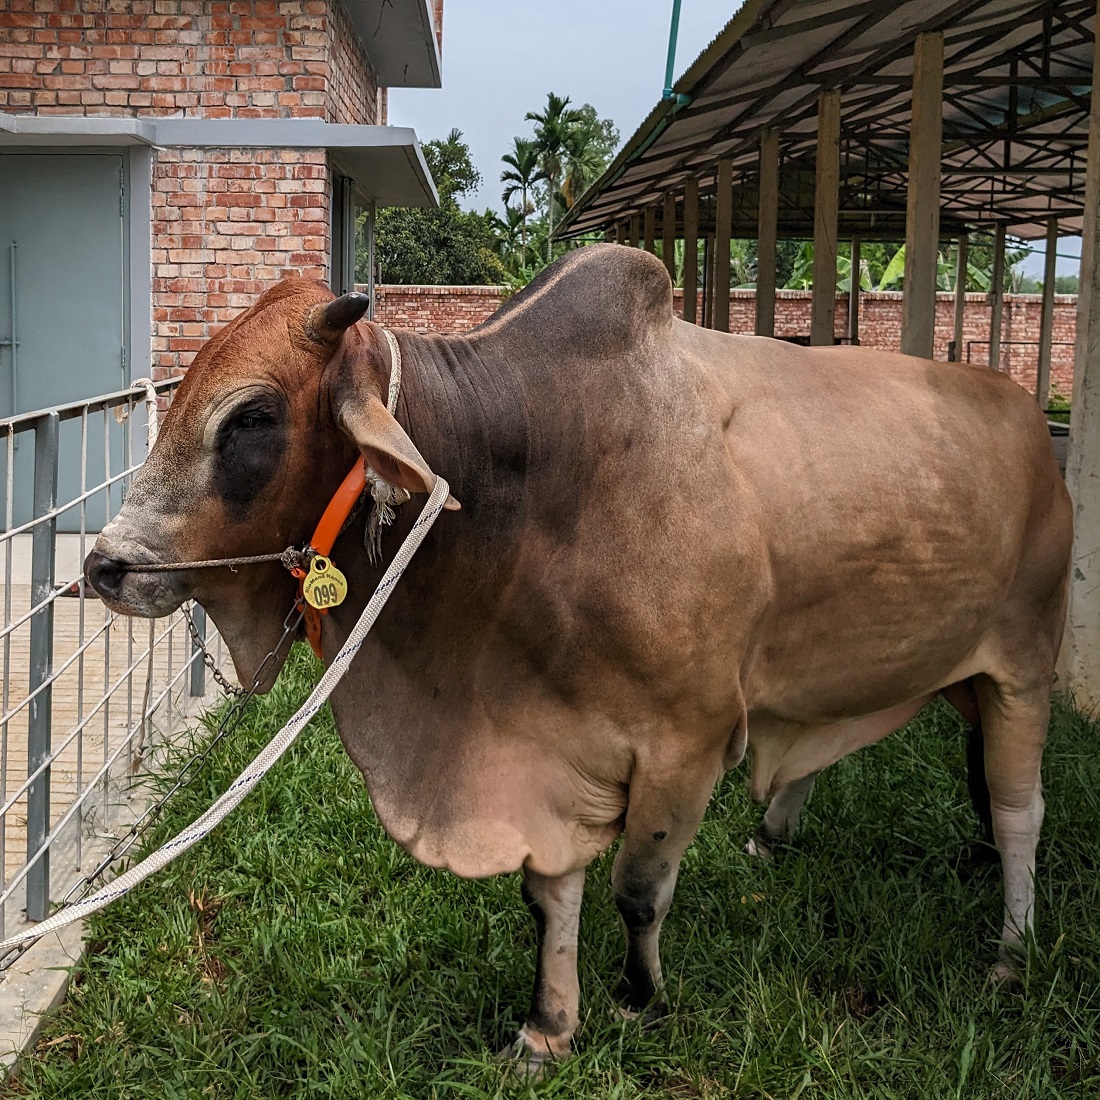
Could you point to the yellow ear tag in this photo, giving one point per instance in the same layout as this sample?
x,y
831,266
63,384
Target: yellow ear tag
x,y
325,585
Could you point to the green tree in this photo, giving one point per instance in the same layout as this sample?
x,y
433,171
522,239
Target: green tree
x,y
590,144
521,175
447,245
1067,284
553,130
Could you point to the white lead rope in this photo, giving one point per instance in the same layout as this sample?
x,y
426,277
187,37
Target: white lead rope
x,y
263,763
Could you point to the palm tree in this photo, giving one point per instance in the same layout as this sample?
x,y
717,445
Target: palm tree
x,y
521,175
553,128
589,146
511,232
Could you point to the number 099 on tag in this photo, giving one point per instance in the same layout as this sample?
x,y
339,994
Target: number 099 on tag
x,y
325,585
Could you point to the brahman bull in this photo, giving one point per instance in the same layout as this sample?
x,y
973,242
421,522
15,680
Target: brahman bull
x,y
673,544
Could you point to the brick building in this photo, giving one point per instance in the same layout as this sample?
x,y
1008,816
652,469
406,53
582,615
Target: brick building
x,y
164,161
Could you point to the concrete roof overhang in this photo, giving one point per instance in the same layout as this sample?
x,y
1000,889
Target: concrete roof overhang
x,y
385,162
399,38
1017,82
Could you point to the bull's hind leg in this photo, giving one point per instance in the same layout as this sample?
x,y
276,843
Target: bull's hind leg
x,y
1014,726
661,820
555,906
781,817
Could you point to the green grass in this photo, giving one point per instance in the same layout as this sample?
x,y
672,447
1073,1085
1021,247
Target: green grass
x,y
298,952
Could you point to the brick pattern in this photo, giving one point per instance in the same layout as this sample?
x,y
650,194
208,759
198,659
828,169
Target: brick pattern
x,y
353,96
209,58
228,224
457,309
448,309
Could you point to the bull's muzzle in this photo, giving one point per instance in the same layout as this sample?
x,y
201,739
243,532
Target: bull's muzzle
x,y
129,591
104,574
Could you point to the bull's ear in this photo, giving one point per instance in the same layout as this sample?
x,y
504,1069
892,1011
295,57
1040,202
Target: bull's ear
x,y
389,452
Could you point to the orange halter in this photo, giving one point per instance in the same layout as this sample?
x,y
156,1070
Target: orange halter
x,y
328,528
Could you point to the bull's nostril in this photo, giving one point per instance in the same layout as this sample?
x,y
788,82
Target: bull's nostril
x,y
104,574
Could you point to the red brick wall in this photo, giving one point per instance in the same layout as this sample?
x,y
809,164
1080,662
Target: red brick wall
x,y
210,58
227,224
353,96
456,309
436,308
880,327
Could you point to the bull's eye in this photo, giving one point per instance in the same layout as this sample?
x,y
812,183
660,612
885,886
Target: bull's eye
x,y
252,420
251,446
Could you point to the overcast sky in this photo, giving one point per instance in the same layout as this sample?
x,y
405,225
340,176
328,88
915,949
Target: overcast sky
x,y
502,57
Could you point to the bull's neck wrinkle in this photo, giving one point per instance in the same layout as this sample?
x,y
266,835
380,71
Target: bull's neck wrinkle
x,y
467,415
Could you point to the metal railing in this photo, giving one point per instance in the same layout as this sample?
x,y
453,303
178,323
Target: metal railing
x,y
85,693
1028,360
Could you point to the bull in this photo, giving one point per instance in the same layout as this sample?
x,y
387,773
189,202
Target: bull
x,y
674,545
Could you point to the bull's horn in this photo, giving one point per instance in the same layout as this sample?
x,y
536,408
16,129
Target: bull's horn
x,y
325,323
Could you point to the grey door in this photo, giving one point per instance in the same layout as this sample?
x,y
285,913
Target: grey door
x,y
62,280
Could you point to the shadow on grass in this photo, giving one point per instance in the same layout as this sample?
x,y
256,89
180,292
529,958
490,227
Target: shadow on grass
x,y
299,953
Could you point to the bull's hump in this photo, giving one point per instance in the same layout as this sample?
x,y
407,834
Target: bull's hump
x,y
598,300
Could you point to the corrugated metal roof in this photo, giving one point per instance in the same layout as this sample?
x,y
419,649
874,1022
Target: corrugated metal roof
x,y
1017,81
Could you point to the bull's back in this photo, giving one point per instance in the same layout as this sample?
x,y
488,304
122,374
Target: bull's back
x,y
910,510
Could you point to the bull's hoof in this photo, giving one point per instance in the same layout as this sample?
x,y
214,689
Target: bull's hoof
x,y
1007,972
651,1017
529,1058
647,1005
761,846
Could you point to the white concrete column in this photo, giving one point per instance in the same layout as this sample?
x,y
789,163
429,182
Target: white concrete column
x,y
996,298
691,251
1083,467
960,295
1046,319
922,209
722,232
826,191
650,223
766,233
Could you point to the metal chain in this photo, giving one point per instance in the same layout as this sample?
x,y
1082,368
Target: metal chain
x,y
207,657
230,720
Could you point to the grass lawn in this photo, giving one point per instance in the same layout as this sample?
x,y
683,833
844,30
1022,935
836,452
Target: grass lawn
x,y
298,952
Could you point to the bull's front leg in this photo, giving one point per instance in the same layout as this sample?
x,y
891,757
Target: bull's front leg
x,y
555,906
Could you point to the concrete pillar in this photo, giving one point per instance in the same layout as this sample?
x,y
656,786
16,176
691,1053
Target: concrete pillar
x,y
651,229
723,225
668,235
1046,320
1083,467
996,298
635,230
853,293
922,208
826,189
960,296
767,218
691,250
620,232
